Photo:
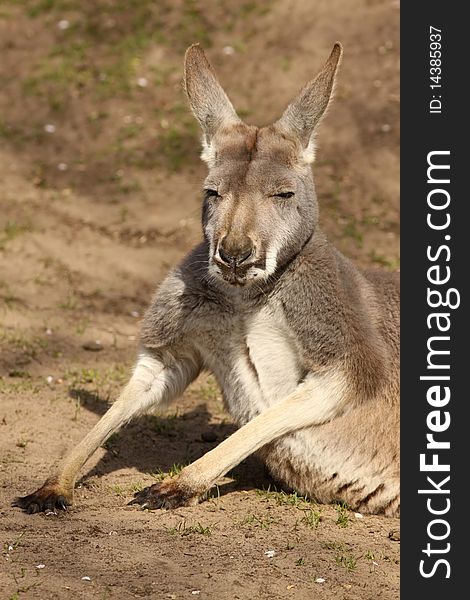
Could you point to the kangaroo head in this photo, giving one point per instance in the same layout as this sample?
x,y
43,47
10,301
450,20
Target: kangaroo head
x,y
260,207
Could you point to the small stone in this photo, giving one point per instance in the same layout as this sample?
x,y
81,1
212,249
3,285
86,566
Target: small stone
x,y
208,436
49,128
63,24
269,553
86,578
142,82
41,566
358,516
93,346
228,50
394,535
320,580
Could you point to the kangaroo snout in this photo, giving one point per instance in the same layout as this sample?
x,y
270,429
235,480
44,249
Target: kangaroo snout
x,y
237,259
233,255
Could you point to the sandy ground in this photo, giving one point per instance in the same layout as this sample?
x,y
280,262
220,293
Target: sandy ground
x,y
99,197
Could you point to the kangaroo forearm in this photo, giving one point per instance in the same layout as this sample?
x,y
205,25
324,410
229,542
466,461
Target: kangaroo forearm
x,y
111,422
152,384
313,403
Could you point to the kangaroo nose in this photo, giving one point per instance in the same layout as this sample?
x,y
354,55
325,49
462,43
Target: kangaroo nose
x,y
234,256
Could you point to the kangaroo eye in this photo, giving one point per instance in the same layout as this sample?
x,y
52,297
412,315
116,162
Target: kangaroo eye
x,y
208,193
284,195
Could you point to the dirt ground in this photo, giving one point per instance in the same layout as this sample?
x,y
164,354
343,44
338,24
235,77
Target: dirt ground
x,y
100,195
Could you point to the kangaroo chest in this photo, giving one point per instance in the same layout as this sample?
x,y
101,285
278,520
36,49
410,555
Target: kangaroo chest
x,y
255,361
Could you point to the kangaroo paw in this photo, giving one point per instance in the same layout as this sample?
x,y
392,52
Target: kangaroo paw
x,y
165,494
48,497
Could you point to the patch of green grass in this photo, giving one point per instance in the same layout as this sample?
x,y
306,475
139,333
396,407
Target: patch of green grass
x,y
78,408
6,130
9,547
118,490
105,55
300,562
377,200
246,12
138,486
334,194
312,518
286,63
23,589
283,498
342,514
91,53
175,143
343,555
383,261
347,560
261,522
11,230
370,220
174,470
193,26
23,385
351,229
81,325
123,213
6,294
290,499
116,374
19,373
35,8
70,302
183,529
19,343
82,376
289,545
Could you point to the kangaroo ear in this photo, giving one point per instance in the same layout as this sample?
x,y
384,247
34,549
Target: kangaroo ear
x,y
303,115
208,101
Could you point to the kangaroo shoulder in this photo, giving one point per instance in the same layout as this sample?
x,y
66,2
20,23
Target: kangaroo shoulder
x,y
180,302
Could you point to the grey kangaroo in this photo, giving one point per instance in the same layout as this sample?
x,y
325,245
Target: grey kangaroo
x,y
304,345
